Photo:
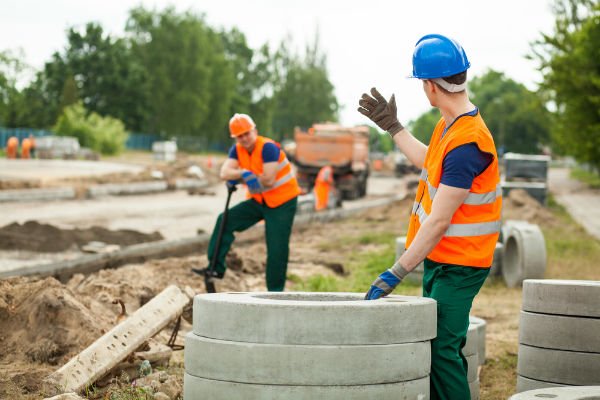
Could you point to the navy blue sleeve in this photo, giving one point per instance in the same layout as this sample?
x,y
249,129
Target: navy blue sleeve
x,y
233,152
463,164
270,152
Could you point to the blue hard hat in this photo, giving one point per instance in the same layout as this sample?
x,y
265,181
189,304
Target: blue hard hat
x,y
437,56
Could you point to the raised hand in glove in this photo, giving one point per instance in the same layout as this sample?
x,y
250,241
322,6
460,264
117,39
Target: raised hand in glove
x,y
251,180
380,111
386,282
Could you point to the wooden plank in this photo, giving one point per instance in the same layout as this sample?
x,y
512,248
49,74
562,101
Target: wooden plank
x,y
114,346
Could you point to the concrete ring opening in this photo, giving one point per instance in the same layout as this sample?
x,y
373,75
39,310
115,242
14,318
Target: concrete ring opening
x,y
317,297
511,253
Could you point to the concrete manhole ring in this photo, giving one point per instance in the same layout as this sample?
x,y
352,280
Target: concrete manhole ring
x,y
563,297
305,318
524,254
561,393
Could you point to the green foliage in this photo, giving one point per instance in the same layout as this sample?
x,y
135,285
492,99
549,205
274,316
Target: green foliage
x,y
106,135
516,116
11,99
380,141
570,62
423,126
592,179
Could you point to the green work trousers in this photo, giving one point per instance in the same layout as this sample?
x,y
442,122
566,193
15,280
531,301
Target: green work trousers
x,y
453,287
278,228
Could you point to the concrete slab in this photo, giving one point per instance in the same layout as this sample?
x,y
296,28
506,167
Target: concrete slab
x,y
562,393
41,170
537,190
560,332
195,388
481,327
42,194
559,366
524,254
119,189
526,166
474,389
314,318
277,364
562,297
524,384
472,344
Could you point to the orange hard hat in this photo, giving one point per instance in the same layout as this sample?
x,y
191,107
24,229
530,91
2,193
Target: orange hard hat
x,y
240,124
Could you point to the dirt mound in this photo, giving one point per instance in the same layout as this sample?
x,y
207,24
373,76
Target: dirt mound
x,y
520,205
46,238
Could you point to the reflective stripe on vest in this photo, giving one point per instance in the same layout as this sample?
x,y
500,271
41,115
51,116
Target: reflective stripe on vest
x,y
457,230
474,199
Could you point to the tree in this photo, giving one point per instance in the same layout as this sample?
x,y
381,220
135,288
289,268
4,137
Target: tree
x,y
191,81
570,62
305,95
11,99
423,126
516,116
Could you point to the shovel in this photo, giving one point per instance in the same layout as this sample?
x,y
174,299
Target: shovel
x,y
208,272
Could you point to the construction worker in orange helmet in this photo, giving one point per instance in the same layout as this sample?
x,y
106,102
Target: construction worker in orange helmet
x,y
259,163
455,220
26,148
323,187
12,146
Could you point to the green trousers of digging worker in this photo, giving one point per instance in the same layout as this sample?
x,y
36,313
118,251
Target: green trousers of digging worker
x,y
278,228
453,287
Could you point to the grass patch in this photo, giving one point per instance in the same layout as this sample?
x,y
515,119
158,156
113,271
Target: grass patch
x,y
592,179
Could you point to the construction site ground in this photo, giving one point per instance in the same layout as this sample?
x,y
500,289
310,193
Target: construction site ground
x,y
43,322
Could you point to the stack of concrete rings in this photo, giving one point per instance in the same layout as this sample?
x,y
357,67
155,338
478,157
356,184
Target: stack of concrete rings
x,y
561,393
471,353
559,344
524,254
300,345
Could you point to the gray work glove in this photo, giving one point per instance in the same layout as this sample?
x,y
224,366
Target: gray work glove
x,y
378,110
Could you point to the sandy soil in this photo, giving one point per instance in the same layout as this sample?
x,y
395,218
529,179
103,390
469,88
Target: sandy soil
x,y
44,323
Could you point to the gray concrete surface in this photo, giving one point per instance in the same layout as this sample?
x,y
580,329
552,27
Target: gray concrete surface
x,y
580,202
44,170
112,189
560,332
566,297
559,366
524,254
473,363
481,325
474,389
277,364
524,384
472,344
195,388
561,393
314,318
42,194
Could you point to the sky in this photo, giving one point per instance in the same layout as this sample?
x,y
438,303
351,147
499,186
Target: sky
x,y
367,43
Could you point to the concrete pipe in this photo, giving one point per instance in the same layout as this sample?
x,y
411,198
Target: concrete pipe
x,y
560,332
472,343
524,254
199,388
473,363
563,297
277,364
481,326
559,366
300,318
474,389
524,384
496,269
561,393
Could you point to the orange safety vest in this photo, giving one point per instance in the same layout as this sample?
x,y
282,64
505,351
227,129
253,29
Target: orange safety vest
x,y
471,238
285,187
322,185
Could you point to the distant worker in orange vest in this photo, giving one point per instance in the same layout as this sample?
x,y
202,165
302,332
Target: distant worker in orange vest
x,y
26,148
455,219
323,186
12,146
260,164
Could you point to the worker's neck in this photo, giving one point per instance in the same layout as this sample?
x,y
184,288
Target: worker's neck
x,y
454,106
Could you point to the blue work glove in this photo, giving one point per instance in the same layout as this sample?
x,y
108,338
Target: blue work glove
x,y
252,182
232,183
386,282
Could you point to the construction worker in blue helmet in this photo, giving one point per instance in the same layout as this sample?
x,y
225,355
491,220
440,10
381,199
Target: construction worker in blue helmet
x,y
455,219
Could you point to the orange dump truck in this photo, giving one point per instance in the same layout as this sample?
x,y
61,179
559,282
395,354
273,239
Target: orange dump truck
x,y
345,149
